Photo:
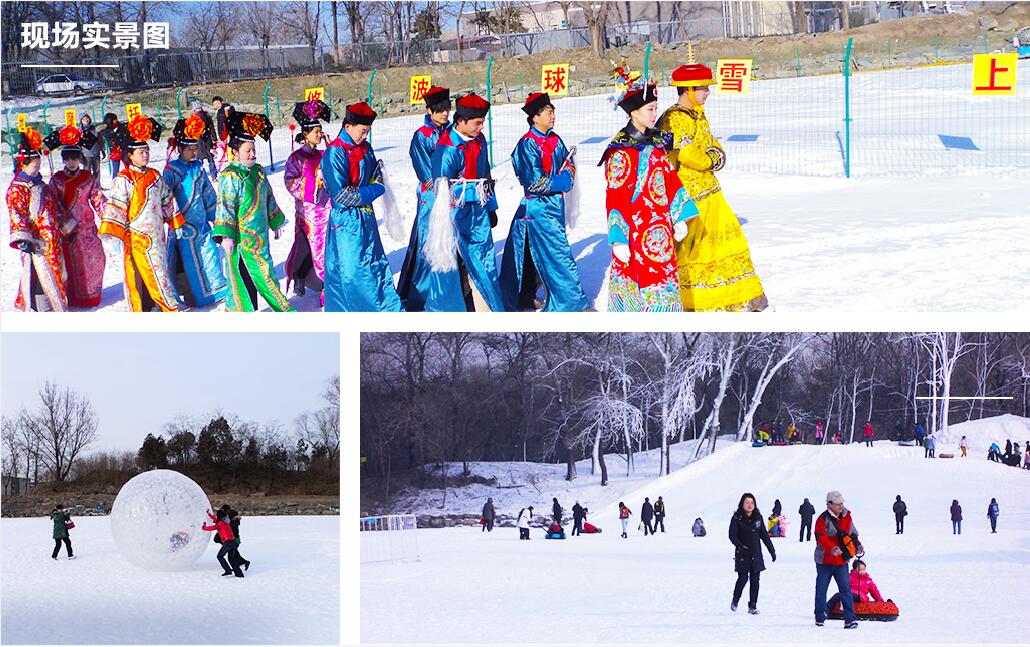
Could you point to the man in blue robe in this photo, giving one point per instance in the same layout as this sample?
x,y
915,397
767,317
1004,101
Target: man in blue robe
x,y
358,277
537,248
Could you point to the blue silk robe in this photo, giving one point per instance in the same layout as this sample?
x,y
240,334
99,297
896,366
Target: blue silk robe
x,y
201,257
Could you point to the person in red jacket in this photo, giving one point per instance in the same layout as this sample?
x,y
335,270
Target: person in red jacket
x,y
836,542
229,543
867,433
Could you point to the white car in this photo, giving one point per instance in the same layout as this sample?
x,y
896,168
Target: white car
x,y
67,83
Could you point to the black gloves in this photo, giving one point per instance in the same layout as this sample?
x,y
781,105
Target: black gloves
x,y
773,555
493,219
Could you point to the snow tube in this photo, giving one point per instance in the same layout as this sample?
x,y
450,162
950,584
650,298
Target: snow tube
x,y
907,443
779,443
757,444
555,535
590,528
885,611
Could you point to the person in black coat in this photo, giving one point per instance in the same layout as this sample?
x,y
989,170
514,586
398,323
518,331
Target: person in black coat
x,y
777,508
748,533
807,513
556,510
646,515
659,514
579,513
900,512
489,514
956,517
234,523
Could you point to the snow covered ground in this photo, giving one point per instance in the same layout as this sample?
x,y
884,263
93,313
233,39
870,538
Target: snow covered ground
x,y
918,228
471,587
291,593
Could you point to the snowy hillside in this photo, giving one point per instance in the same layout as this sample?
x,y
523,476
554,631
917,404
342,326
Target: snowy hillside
x,y
677,588
870,243
518,485
291,593
981,433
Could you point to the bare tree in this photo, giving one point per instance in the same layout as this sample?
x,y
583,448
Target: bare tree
x,y
261,20
773,352
303,20
596,16
64,424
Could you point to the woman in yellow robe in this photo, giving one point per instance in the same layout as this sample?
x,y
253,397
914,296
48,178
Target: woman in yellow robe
x,y
714,263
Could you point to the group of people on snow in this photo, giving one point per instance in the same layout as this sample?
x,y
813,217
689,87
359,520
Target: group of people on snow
x,y
192,238
226,525
1012,455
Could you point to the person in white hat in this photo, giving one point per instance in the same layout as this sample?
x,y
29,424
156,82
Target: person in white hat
x,y
836,542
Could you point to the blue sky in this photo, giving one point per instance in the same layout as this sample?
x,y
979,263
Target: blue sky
x,y
139,381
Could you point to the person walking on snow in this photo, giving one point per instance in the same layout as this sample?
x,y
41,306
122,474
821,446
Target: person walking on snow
x,y
234,523
556,510
963,445
229,543
61,520
992,514
807,512
646,514
523,522
900,512
659,515
579,513
867,433
836,542
956,517
747,533
624,515
488,515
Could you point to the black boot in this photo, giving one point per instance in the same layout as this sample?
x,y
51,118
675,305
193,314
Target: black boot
x,y
246,565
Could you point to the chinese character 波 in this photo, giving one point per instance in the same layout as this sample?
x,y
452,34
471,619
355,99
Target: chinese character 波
x,y
126,35
66,34
155,35
35,35
94,34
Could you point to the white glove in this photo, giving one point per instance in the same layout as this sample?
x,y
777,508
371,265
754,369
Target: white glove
x,y
228,244
621,252
679,230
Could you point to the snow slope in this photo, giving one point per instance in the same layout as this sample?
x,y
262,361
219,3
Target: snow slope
x,y
981,433
291,593
950,236
476,587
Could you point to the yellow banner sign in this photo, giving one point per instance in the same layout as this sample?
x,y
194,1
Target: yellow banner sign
x,y
133,110
994,73
69,117
314,93
417,87
21,122
733,75
554,79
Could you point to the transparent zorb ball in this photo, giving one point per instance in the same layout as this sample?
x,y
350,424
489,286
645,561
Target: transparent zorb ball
x,y
156,521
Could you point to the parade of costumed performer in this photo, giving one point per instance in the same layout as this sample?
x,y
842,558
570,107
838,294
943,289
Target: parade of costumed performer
x,y
77,193
460,245
648,209
38,231
715,269
192,250
139,205
417,278
305,266
358,277
245,213
537,249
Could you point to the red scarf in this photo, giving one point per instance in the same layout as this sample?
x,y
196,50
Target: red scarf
x,y
547,143
472,148
355,153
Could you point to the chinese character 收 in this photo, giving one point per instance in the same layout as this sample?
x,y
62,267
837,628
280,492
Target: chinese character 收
x,y
35,35
126,35
155,35
94,34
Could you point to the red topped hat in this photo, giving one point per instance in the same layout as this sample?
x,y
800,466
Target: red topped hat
x,y
360,113
536,102
437,98
693,74
471,106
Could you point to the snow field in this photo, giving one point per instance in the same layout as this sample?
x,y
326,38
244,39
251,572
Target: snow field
x,y
291,593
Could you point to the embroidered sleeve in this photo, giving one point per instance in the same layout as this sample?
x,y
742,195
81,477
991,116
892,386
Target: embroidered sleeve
x,y
115,221
229,186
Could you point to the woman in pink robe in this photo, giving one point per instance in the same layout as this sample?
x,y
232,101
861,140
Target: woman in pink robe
x,y
305,266
79,199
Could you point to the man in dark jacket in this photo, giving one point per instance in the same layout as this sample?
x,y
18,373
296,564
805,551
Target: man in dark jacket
x,y
488,515
61,519
578,514
807,512
659,514
836,542
234,523
556,511
747,534
646,514
900,512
